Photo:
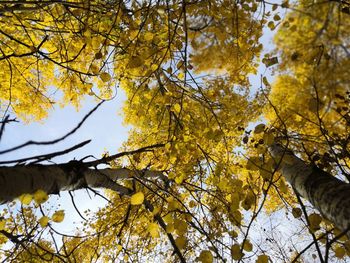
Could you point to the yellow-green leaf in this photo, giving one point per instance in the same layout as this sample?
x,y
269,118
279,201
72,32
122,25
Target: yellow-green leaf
x,y
2,224
205,257
153,229
137,199
259,128
180,242
296,212
180,226
247,246
58,216
262,259
236,252
315,220
135,62
43,221
40,197
105,77
25,199
339,252
177,108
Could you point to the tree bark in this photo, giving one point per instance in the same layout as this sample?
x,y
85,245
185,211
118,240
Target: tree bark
x,y
325,192
18,180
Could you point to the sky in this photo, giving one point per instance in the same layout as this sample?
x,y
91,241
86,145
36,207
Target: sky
x,y
104,127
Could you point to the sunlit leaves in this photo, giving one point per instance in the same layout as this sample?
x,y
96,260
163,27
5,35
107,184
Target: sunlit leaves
x,y
188,87
137,198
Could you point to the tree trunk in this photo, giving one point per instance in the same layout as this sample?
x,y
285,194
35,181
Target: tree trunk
x,y
18,180
325,192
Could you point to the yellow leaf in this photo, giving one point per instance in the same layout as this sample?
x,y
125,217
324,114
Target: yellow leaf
x,y
153,229
43,221
315,221
94,69
25,199
179,179
170,228
181,75
137,199
262,259
271,25
192,204
154,67
266,82
134,34
2,224
339,252
270,61
233,234
206,257
276,17
168,218
135,62
105,77
119,248
254,164
180,226
179,64
40,197
247,246
237,217
58,216
259,128
236,252
177,108
148,36
180,242
269,138
156,211
296,212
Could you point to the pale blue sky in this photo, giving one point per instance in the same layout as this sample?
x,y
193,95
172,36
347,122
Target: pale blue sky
x,y
104,127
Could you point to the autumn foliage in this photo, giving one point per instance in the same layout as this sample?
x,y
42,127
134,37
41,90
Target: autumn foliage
x,y
204,84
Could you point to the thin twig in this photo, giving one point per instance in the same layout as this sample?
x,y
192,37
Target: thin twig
x,y
56,140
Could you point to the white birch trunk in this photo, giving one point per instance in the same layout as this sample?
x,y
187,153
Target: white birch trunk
x,y
328,194
18,180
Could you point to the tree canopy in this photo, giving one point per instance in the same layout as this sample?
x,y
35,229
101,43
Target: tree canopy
x,y
202,176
